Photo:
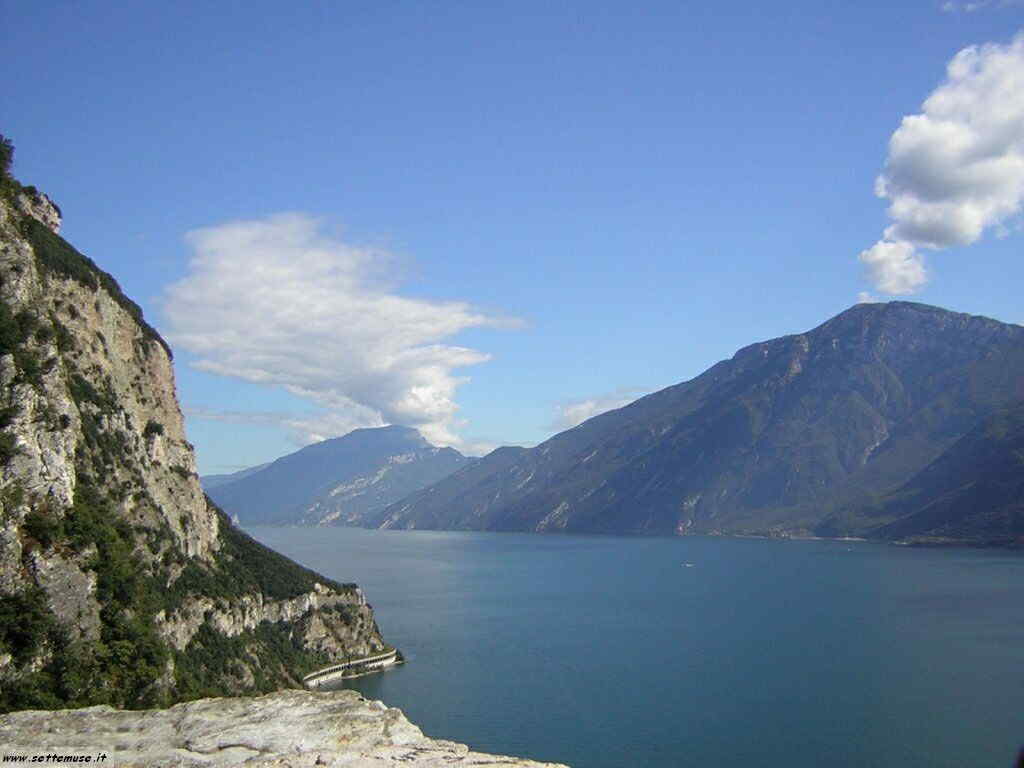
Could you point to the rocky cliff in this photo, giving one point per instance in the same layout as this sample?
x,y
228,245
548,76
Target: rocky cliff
x,y
120,583
815,433
291,728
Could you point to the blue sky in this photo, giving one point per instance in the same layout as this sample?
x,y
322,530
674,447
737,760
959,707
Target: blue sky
x,y
489,221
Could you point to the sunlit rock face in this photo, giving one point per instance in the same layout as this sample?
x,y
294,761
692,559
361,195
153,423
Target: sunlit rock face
x,y
289,728
120,582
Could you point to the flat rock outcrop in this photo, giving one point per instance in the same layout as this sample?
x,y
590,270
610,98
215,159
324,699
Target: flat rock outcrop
x,y
288,728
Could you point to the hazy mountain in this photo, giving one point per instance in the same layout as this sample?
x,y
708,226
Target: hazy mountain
x,y
810,433
212,481
338,481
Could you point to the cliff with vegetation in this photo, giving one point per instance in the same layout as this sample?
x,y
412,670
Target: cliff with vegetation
x,y
120,582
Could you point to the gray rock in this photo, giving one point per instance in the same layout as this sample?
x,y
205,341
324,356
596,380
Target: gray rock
x,y
288,728
92,431
39,206
71,592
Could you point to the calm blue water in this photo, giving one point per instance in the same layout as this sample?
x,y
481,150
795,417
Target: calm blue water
x,y
605,652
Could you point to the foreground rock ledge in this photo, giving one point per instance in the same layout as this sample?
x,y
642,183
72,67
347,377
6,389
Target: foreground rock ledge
x,y
287,728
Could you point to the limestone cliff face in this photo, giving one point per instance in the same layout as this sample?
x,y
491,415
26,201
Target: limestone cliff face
x,y
104,381
308,614
119,581
291,728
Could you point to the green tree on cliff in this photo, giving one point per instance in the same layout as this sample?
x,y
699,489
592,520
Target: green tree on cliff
x,y
6,156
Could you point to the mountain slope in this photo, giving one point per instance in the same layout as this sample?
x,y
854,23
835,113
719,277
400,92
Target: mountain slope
x,y
212,481
343,480
800,434
120,583
974,491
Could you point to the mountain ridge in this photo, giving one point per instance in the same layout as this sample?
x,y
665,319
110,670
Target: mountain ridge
x,y
798,435
338,481
212,481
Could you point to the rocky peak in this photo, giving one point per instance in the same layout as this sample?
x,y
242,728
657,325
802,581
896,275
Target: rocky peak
x,y
32,202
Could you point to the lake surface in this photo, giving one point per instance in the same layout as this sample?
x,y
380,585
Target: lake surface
x,y
608,652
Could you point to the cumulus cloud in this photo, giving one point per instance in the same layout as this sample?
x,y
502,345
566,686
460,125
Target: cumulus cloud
x,y
956,170
866,297
568,415
277,301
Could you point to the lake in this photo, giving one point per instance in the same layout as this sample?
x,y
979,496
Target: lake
x,y
611,652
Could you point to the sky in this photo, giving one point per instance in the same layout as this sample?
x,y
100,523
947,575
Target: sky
x,y
492,221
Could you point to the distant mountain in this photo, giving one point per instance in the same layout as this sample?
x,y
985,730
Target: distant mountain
x,y
338,481
837,431
212,481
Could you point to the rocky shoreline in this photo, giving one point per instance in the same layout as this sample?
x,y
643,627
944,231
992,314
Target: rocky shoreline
x,y
298,729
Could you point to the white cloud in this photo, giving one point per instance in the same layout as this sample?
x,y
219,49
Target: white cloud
x,y
314,428
952,6
302,429
866,297
277,302
568,415
894,267
956,170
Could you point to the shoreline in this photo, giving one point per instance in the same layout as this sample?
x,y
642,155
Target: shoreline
x,y
925,543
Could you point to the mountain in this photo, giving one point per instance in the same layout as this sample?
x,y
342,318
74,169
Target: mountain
x,y
338,481
212,481
973,492
815,433
120,582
